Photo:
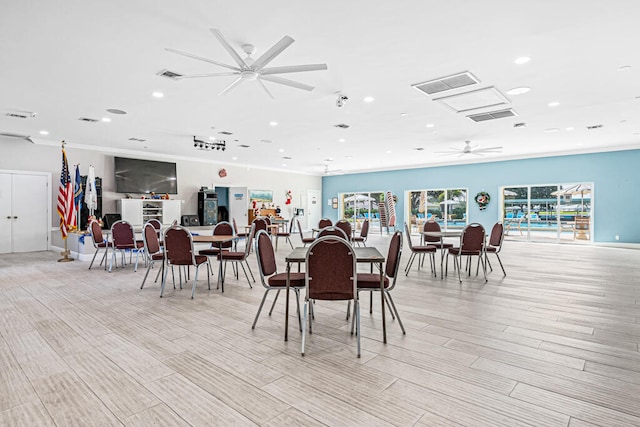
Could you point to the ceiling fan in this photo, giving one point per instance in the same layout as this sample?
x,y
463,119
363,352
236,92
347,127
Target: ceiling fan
x,y
253,69
468,149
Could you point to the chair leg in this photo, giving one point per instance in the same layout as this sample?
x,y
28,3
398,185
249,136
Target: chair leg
x,y
94,257
394,308
264,297
274,301
501,266
304,324
356,307
195,279
146,274
245,272
297,291
164,281
160,270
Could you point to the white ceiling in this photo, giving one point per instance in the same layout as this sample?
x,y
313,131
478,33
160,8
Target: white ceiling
x,y
69,59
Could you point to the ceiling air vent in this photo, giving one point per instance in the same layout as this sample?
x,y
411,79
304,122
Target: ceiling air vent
x,y
492,115
224,132
244,146
447,83
137,139
594,127
21,114
342,126
88,120
169,74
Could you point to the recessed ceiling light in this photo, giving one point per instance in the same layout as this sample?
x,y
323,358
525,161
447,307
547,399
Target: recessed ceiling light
x,y
522,60
551,130
273,123
284,165
388,151
369,99
281,150
115,111
624,68
234,158
579,144
106,119
212,138
341,140
157,95
569,129
518,90
553,104
430,125
404,114
44,132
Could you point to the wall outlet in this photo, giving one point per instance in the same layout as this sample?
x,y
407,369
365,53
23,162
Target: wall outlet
x,y
617,237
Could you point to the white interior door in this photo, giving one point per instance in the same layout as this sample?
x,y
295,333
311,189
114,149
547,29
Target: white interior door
x,y
238,205
27,198
314,208
6,216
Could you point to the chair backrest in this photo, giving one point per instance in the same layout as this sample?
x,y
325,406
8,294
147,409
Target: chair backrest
x,y
122,234
333,231
156,223
223,228
393,256
250,236
497,234
345,226
150,239
96,233
431,226
265,255
364,231
267,220
331,270
408,232
178,246
472,239
260,224
291,225
324,222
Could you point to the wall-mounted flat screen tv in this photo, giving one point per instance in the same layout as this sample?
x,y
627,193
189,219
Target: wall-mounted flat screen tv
x,y
145,176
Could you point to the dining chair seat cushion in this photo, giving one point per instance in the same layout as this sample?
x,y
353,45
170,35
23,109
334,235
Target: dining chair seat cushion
x,y
232,256
280,280
209,252
104,244
157,256
200,259
424,249
136,245
491,249
456,251
371,281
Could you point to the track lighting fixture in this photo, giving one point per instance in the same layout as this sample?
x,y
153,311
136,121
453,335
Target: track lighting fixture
x,y
205,145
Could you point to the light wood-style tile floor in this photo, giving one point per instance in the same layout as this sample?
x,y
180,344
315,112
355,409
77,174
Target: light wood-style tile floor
x,y
554,343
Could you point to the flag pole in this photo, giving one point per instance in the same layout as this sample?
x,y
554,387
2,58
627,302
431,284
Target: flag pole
x,y
66,252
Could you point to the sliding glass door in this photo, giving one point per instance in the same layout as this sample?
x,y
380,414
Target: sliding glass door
x,y
356,207
548,213
448,207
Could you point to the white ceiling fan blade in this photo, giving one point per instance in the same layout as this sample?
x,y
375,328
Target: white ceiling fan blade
x,y
192,76
217,34
275,50
293,69
265,88
233,84
286,82
199,58
487,150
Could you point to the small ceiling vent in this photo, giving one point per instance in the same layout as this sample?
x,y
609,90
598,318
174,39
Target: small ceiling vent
x,y
224,132
21,114
137,139
169,74
442,84
594,127
492,115
88,120
244,146
342,126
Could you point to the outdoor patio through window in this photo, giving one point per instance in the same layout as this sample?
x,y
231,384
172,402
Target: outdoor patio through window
x,y
448,207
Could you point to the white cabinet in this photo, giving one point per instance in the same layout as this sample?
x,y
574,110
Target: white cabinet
x,y
139,211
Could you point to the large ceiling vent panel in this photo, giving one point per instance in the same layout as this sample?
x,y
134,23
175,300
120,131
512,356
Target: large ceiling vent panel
x,y
480,98
492,115
442,84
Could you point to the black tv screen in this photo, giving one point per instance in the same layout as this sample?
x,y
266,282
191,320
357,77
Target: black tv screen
x,y
145,176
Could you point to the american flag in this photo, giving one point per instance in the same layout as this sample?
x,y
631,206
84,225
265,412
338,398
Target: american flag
x,y
65,199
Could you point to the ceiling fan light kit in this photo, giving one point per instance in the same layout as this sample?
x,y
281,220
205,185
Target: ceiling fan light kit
x,y
249,69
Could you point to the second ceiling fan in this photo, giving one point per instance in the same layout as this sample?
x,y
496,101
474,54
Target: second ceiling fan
x,y
253,69
468,149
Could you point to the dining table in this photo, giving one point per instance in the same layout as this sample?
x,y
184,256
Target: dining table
x,y
442,235
365,254
219,240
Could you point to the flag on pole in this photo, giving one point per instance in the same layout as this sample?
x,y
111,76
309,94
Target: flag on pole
x,y
77,193
65,199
